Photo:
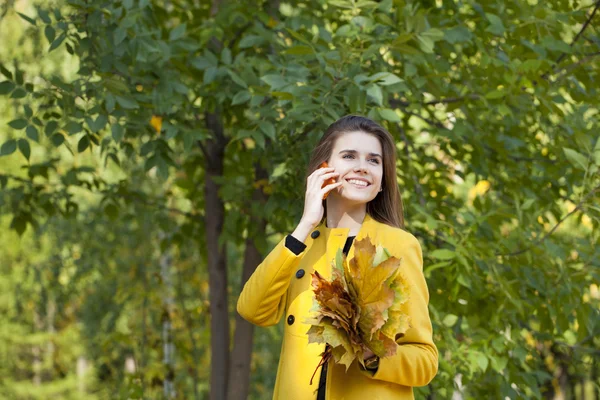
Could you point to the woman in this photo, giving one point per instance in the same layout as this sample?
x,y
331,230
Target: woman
x,y
364,201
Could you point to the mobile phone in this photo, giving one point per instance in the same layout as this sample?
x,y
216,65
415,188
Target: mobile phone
x,y
328,181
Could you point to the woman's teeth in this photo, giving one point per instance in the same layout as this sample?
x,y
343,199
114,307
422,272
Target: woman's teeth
x,y
358,183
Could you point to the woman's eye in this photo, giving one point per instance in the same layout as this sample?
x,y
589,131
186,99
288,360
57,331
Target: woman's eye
x,y
350,155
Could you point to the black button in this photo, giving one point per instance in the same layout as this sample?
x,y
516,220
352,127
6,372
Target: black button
x,y
315,234
299,273
291,320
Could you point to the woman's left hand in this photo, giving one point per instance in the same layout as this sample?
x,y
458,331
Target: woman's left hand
x,y
368,354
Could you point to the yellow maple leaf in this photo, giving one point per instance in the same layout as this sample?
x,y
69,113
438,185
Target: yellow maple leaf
x,y
372,296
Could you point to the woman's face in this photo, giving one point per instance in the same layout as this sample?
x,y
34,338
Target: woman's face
x,y
357,155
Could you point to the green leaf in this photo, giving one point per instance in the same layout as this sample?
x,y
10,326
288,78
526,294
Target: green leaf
x,y
50,127
388,79
119,35
375,92
482,361
425,43
577,159
268,128
433,34
117,132
19,76
258,138
28,19
237,79
111,211
6,72
496,26
19,93
274,81
6,87
458,34
202,62
450,320
98,124
44,16
109,103
8,147
495,94
83,144
299,50
50,33
114,158
250,41
178,32
127,103
73,127
389,115
226,56
442,254
28,111
57,42
32,133
24,148
18,123
283,95
209,75
241,97
19,224
57,139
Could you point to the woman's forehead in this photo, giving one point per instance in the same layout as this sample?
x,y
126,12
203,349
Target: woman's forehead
x,y
358,141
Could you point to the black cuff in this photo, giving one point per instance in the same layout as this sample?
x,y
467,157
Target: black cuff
x,y
294,244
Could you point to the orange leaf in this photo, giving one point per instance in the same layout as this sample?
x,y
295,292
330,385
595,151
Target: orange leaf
x,y
156,122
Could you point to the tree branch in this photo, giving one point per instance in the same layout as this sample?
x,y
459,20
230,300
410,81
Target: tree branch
x,y
571,67
408,148
583,28
541,239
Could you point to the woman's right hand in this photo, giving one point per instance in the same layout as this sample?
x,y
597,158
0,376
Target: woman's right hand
x,y
313,200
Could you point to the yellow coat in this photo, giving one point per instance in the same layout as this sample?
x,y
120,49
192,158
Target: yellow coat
x,y
276,289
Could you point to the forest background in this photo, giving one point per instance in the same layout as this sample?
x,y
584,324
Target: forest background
x,y
153,152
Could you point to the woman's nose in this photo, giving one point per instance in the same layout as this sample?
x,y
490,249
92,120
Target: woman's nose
x,y
360,166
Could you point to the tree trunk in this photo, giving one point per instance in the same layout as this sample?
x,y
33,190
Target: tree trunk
x,y
167,303
36,350
241,356
217,262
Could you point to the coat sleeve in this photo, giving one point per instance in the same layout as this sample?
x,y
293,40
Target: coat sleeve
x,y
416,360
263,298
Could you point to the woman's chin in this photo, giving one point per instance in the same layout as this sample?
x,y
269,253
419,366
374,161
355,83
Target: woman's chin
x,y
357,198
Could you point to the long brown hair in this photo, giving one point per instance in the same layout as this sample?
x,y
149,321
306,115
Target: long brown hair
x,y
387,206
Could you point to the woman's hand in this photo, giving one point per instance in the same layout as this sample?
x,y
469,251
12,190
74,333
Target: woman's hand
x,y
313,200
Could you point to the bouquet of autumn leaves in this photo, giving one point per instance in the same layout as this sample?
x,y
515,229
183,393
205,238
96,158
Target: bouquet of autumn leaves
x,y
360,308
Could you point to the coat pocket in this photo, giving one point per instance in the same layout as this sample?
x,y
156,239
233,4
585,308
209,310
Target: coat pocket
x,y
297,313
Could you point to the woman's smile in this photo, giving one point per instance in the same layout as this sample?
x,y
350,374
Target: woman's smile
x,y
358,183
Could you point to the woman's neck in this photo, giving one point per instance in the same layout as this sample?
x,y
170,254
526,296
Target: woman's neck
x,y
346,218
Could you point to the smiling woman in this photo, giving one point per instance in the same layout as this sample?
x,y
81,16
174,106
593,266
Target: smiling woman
x,y
364,202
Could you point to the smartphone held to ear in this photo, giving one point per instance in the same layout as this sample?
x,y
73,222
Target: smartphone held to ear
x,y
328,181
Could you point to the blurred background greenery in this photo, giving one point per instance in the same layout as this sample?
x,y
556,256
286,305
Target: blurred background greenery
x,y
154,151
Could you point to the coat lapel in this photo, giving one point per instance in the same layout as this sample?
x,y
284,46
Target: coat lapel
x,y
335,239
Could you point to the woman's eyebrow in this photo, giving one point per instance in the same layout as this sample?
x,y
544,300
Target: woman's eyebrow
x,y
355,152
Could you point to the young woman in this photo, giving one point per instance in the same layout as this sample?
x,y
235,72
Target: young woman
x,y
364,201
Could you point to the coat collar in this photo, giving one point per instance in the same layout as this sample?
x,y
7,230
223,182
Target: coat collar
x,y
367,228
333,239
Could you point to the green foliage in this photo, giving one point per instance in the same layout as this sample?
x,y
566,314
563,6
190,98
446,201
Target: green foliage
x,y
494,108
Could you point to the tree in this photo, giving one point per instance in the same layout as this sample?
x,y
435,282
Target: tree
x,y
493,107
